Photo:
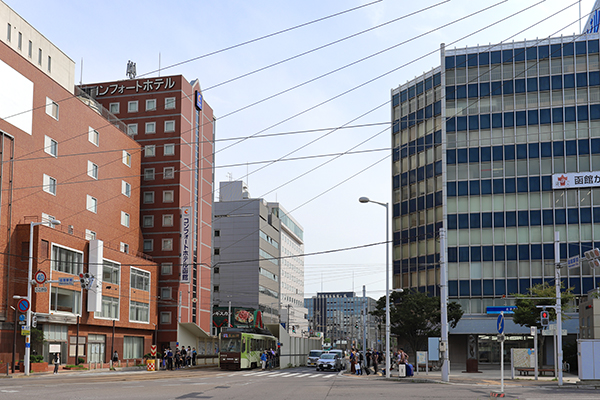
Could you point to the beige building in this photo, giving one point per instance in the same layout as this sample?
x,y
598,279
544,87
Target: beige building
x,y
589,315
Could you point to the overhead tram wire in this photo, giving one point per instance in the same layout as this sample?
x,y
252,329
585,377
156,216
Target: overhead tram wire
x,y
467,36
261,37
324,46
185,96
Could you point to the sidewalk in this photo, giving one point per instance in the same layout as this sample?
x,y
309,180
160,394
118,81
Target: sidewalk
x,y
488,375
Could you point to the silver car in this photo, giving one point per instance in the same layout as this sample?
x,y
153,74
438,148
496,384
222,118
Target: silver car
x,y
329,362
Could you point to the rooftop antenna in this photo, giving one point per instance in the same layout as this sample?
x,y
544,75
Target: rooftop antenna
x,y
131,72
81,74
229,176
159,63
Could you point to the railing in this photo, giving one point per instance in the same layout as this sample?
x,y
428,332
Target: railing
x,y
87,97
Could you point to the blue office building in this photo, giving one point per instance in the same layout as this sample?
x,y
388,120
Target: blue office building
x,y
499,145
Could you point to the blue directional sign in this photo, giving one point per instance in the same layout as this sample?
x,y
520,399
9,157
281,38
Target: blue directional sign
x,y
22,317
500,309
573,262
500,323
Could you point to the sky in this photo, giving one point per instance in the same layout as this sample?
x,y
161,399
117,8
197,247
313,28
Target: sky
x,y
321,187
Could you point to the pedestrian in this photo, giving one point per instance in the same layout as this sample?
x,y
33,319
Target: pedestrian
x,y
169,359
352,362
56,362
357,366
368,357
183,359
188,356
194,355
263,360
115,358
375,360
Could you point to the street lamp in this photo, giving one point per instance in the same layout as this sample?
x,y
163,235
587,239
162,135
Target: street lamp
x,y
387,281
27,361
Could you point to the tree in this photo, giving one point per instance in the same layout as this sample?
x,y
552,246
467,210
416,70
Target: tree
x,y
527,314
415,316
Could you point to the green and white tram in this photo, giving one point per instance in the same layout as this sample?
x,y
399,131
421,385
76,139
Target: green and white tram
x,y
241,348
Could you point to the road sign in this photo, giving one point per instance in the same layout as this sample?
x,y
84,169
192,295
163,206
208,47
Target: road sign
x,y
65,281
573,262
23,305
500,323
533,330
500,309
153,350
22,322
40,277
21,317
550,332
25,331
40,289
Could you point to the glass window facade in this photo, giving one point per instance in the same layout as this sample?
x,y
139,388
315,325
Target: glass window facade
x,y
477,156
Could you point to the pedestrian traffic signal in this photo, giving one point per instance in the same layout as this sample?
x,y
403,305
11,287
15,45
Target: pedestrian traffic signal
x,y
545,318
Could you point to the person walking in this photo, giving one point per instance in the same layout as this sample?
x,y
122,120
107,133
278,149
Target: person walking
x,y
263,360
56,363
115,358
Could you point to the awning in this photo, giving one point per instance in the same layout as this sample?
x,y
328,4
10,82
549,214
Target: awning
x,y
195,330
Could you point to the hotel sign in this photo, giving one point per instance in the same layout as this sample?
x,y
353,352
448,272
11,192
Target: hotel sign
x,y
137,86
574,180
186,239
594,20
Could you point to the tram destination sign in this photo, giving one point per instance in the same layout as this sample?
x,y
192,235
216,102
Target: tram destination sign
x,y
572,180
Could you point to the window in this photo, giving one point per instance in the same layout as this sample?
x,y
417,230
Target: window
x,y
124,219
49,184
124,248
165,317
169,103
49,64
114,108
92,204
140,279
166,269
169,149
20,41
149,174
215,288
169,173
93,136
169,126
92,170
65,301
30,50
148,245
150,127
217,233
132,129
52,108
167,244
110,308
126,158
148,197
40,57
50,146
55,332
165,293
110,272
8,33
167,196
151,105
148,221
133,347
132,106
150,150
90,235
167,220
216,251
66,260
126,188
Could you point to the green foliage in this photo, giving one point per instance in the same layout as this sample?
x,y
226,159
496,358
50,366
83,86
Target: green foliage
x,y
415,316
149,356
80,360
37,337
327,340
70,366
36,358
527,314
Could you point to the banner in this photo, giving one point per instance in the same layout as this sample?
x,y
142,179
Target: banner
x,y
186,237
574,180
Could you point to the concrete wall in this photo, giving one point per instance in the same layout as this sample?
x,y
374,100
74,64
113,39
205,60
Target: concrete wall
x,y
294,350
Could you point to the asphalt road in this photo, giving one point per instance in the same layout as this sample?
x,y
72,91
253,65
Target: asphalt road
x,y
296,383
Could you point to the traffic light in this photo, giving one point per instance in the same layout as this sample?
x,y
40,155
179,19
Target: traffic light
x,y
544,318
84,280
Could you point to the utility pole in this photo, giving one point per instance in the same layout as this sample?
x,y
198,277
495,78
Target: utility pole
x,y
444,306
559,350
364,345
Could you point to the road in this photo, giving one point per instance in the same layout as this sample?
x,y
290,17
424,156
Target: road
x,y
296,383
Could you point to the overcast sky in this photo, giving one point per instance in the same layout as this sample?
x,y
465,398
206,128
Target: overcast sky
x,y
106,34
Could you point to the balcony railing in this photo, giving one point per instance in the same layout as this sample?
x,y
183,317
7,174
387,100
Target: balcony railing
x,y
87,96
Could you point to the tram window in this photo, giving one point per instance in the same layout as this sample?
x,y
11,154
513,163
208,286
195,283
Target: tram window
x,y
231,345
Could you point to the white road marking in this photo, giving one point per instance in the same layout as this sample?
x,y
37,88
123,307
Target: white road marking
x,y
290,375
328,376
9,391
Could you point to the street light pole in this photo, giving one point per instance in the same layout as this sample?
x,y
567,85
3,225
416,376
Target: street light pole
x,y
444,306
27,361
387,281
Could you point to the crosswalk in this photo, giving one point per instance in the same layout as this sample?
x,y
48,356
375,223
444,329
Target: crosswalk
x,y
282,374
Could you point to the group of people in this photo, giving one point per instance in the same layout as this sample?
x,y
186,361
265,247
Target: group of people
x,y
361,364
268,359
180,358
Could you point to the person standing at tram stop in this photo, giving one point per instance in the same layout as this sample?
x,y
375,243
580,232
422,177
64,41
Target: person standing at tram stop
x,y
263,360
56,362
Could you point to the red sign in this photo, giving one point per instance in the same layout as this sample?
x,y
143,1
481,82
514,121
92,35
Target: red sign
x,y
40,277
153,350
23,305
